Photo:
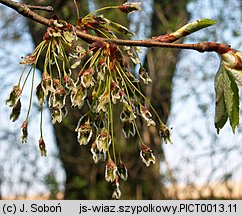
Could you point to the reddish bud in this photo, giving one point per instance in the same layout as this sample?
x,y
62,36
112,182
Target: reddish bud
x,y
42,147
130,7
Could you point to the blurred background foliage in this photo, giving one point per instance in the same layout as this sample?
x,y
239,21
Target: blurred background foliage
x,y
200,163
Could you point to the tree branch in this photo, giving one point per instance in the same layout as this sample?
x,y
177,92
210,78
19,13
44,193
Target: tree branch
x,y
26,11
46,8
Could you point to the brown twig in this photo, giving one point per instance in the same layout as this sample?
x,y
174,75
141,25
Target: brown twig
x,y
25,10
45,8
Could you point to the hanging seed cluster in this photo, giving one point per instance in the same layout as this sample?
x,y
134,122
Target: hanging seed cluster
x,y
99,74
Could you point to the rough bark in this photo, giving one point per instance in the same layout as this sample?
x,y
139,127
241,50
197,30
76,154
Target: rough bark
x,y
84,179
161,64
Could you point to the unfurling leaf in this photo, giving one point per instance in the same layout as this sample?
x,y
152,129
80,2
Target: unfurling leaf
x,y
185,30
221,115
232,102
232,61
197,25
227,99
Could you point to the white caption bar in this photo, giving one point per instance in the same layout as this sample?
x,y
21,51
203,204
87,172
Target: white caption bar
x,y
120,207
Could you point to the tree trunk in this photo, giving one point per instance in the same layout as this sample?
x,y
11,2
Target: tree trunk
x,y
161,64
84,179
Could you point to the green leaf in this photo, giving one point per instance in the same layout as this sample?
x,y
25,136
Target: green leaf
x,y
231,94
221,114
227,99
232,62
198,25
193,27
236,74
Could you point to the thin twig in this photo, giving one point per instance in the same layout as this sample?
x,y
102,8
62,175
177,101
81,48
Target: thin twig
x,y
24,10
45,8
